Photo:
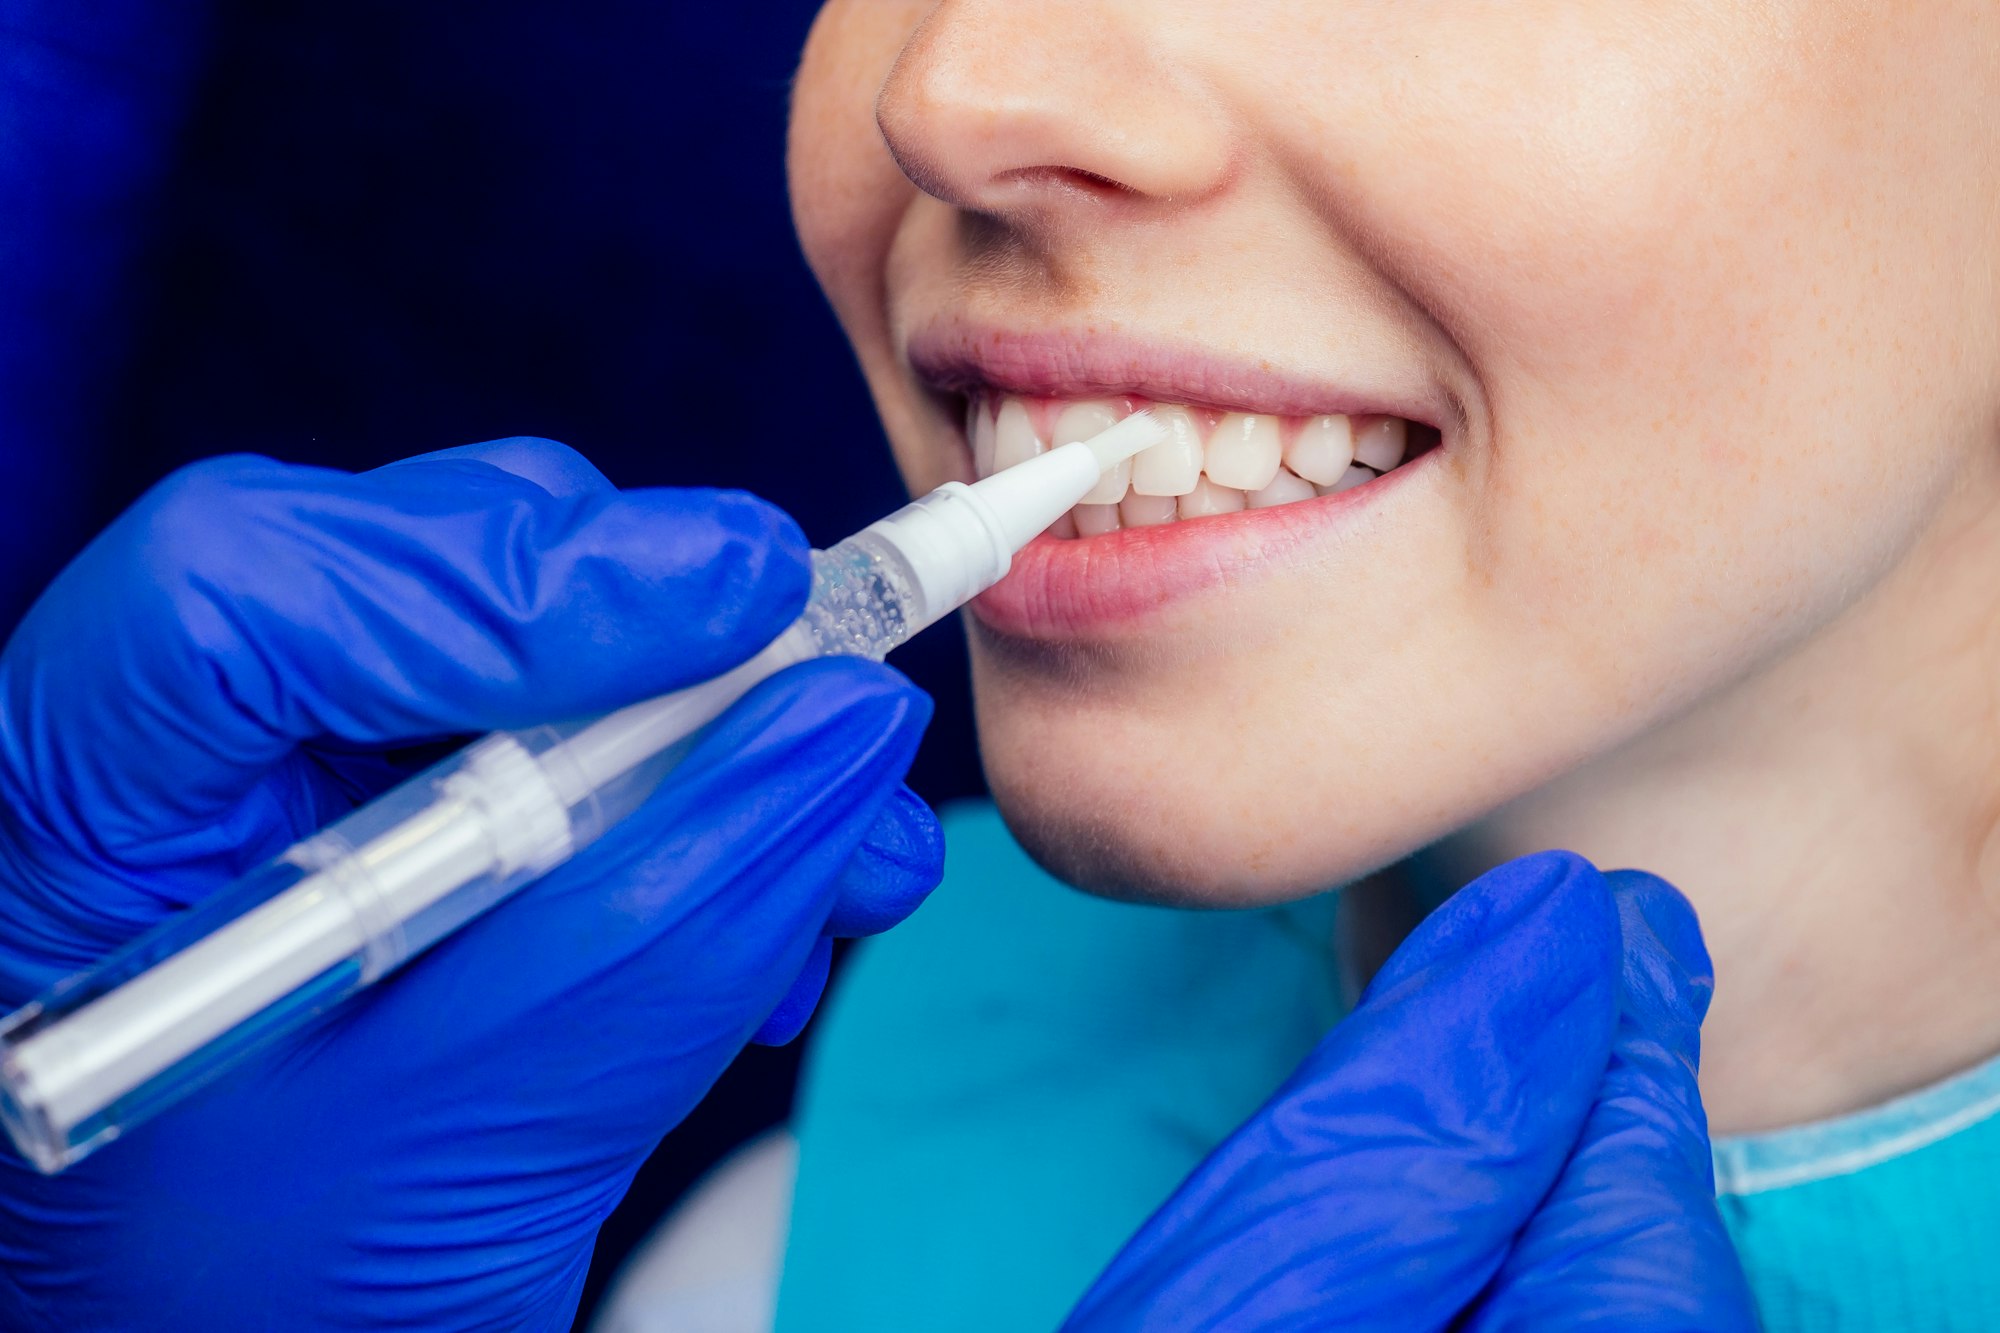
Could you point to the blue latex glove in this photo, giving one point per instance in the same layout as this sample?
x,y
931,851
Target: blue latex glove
x,y
218,675
1505,1134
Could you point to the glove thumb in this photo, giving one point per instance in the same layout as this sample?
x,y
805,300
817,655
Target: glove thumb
x,y
1384,1183
1630,1237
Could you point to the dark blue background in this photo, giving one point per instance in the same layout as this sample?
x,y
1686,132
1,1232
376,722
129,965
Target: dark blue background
x,y
343,233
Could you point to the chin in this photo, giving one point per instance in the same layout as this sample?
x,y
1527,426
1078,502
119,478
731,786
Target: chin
x,y
1100,818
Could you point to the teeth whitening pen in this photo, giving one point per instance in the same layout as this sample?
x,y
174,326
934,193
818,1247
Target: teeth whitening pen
x,y
103,1050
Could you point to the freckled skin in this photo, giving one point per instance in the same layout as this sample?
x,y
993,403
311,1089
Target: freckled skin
x,y
1713,286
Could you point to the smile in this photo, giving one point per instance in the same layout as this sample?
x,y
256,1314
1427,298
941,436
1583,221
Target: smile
x,y
1228,493
1213,462
1263,471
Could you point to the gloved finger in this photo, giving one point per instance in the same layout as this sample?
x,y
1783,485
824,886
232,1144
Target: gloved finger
x,y
789,1019
556,468
895,868
1382,1185
358,773
1630,1238
699,910
245,605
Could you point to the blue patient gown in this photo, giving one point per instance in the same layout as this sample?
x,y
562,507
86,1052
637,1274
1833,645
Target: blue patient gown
x,y
1004,1088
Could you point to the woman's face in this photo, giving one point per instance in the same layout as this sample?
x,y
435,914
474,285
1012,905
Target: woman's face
x,y
1690,307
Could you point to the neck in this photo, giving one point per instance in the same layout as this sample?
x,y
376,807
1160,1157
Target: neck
x,y
1836,822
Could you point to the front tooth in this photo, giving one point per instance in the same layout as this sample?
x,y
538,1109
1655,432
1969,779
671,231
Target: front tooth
x,y
1244,452
1322,449
1173,466
1110,487
1083,421
1382,442
1148,511
1285,488
1095,520
1208,499
1014,436
983,439
1064,528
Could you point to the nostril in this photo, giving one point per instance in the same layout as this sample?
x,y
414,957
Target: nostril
x,y
1070,178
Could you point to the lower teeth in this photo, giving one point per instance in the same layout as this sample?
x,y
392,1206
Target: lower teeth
x,y
1207,500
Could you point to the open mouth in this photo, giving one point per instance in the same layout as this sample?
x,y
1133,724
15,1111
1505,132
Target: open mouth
x,y
1268,471
1214,462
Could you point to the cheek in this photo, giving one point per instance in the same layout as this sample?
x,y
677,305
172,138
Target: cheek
x,y
1686,252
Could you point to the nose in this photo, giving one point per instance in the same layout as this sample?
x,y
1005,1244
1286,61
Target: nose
x,y
1019,108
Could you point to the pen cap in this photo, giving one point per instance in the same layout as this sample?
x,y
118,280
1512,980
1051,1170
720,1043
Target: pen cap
x,y
960,540
1026,498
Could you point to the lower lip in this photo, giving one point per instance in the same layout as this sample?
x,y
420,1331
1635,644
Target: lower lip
x,y
1092,586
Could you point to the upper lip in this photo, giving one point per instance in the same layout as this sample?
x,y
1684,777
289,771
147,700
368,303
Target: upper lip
x,y
957,357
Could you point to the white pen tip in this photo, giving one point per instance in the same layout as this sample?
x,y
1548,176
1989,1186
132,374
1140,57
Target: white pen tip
x,y
1135,434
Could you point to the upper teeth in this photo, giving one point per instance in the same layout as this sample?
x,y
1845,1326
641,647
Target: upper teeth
x,y
1210,463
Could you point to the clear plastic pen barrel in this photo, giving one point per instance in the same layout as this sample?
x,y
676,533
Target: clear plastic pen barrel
x,y
342,909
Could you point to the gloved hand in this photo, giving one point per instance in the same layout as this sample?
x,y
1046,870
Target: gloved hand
x,y
222,672
1505,1134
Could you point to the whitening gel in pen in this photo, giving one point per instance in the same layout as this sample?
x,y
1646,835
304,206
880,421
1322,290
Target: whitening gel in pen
x,y
103,1050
